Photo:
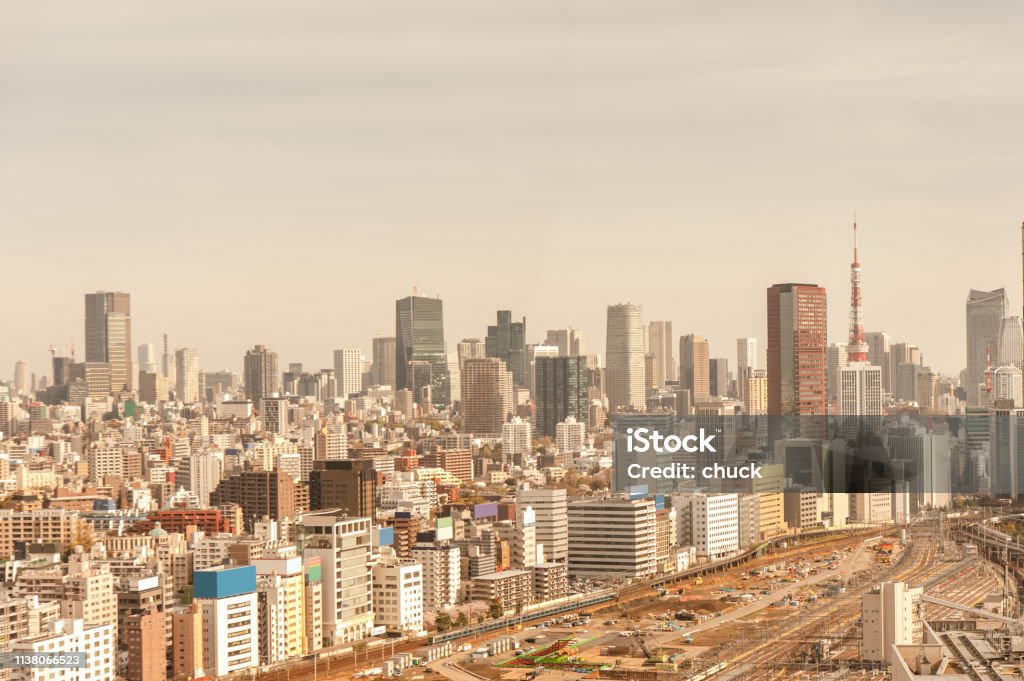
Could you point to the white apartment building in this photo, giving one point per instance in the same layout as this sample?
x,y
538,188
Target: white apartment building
x,y
551,515
524,538
281,596
708,522
516,438
98,641
570,435
715,524
398,597
343,545
275,414
613,537
442,573
226,597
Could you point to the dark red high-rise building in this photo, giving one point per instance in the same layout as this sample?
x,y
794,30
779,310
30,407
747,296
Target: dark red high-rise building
x,y
796,351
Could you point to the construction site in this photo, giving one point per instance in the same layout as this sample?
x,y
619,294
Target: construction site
x,y
797,612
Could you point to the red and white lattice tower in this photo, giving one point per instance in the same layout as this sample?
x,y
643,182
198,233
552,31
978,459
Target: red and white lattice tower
x,y
856,348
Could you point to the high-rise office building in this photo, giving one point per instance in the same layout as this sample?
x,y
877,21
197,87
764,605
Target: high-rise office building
x,y
108,335
470,348
486,395
22,382
695,367
747,354
860,391
660,345
561,392
797,384
879,343
718,374
1007,386
348,371
506,341
985,313
384,360
568,341
419,336
613,537
624,356
533,353
1011,343
146,355
186,365
835,360
260,375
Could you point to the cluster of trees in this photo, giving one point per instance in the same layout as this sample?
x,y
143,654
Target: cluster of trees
x,y
444,622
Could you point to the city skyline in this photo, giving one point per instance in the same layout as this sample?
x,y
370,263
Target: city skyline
x,y
738,163
324,355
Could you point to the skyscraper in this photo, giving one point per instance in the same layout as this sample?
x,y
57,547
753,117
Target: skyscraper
x,y
747,355
533,353
985,312
561,392
471,348
384,360
718,373
348,371
659,344
186,361
419,336
569,341
506,341
260,376
108,335
879,343
796,350
146,355
1011,343
625,358
695,367
22,383
747,360
486,395
835,361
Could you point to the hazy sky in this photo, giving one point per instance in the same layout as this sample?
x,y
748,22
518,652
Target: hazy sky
x,y
280,173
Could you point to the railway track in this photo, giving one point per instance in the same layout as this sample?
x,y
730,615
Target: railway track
x,y
836,621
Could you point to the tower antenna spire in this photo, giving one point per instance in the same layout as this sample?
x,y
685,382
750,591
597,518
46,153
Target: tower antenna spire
x,y
857,348
855,258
